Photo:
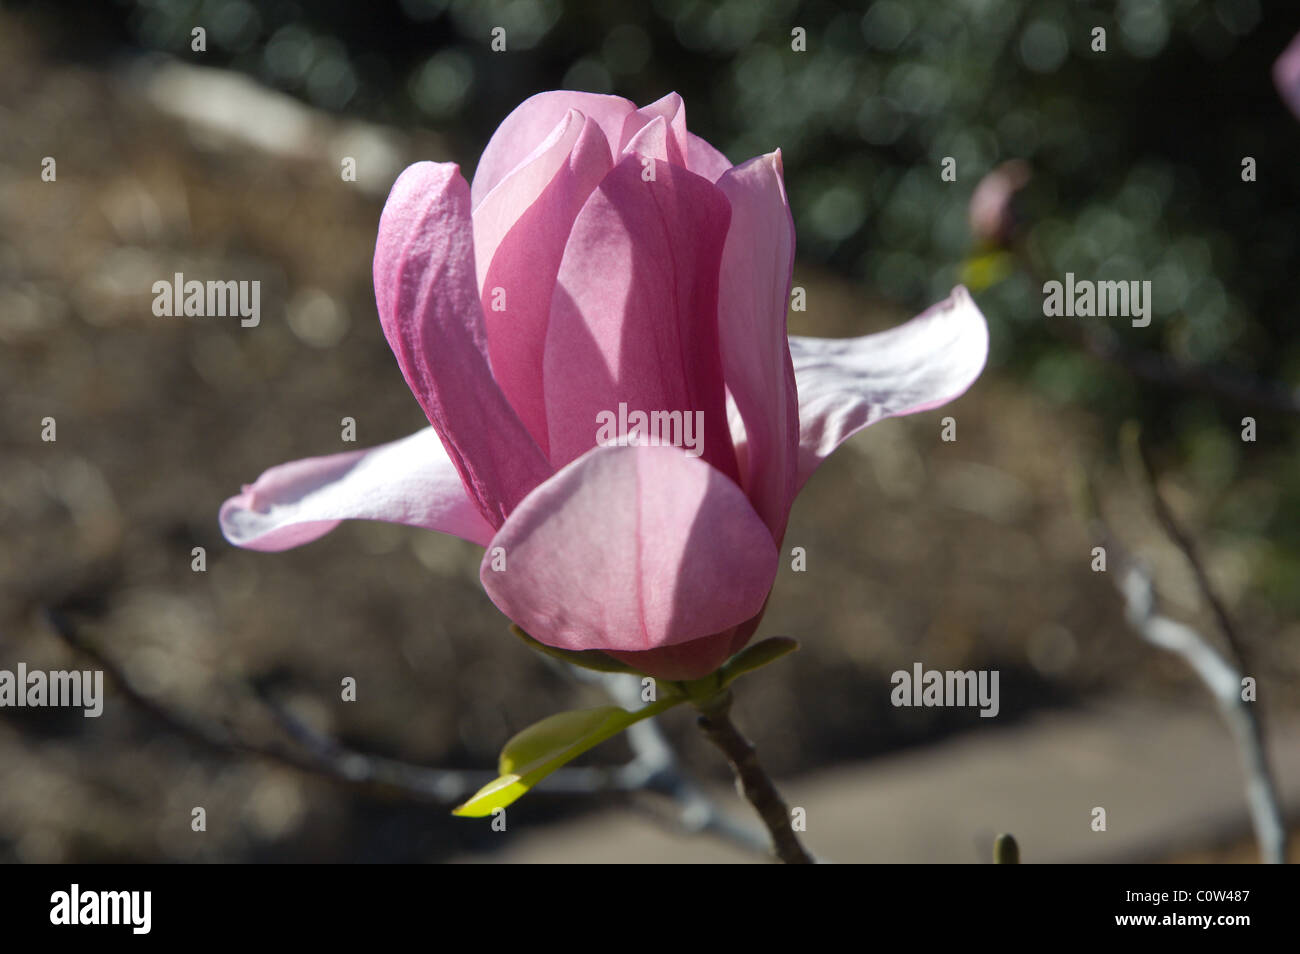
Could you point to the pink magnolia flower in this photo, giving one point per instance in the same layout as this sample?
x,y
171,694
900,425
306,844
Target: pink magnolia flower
x,y
605,256
992,211
1286,74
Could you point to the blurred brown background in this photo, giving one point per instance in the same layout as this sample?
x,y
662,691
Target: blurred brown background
x,y
965,555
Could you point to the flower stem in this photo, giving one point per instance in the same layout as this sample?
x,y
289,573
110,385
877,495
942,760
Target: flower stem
x,y
755,785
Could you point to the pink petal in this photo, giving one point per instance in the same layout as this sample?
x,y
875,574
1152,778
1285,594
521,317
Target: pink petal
x,y
692,660
631,549
634,316
539,200
846,384
533,120
696,658
429,306
703,160
652,140
672,111
992,211
515,194
411,481
1286,74
753,297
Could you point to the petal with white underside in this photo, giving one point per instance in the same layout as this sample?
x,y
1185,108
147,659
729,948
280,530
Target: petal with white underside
x,y
410,481
631,549
847,383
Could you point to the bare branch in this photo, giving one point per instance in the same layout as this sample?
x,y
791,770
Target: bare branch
x,y
656,768
653,769
755,784
1220,675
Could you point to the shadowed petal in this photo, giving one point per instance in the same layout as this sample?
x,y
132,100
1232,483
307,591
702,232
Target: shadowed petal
x,y
846,384
411,481
695,659
634,316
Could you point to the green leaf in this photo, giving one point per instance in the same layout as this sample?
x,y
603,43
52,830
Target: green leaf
x,y
543,747
755,657
557,735
586,659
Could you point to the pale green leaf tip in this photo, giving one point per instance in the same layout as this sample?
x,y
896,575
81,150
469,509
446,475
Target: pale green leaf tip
x,y
497,793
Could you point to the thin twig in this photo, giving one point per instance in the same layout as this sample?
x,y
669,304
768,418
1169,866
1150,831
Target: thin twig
x,y
657,769
653,769
1183,541
1224,682
755,784
320,757
1216,671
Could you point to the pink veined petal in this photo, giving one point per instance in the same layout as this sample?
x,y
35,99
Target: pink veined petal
x,y
429,306
411,481
520,279
846,384
703,160
753,296
532,121
1286,74
672,111
632,549
634,316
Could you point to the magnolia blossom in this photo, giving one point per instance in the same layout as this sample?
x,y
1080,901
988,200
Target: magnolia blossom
x,y
992,211
606,257
1286,74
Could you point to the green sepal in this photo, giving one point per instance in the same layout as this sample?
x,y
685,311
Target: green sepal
x,y
755,656
585,659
